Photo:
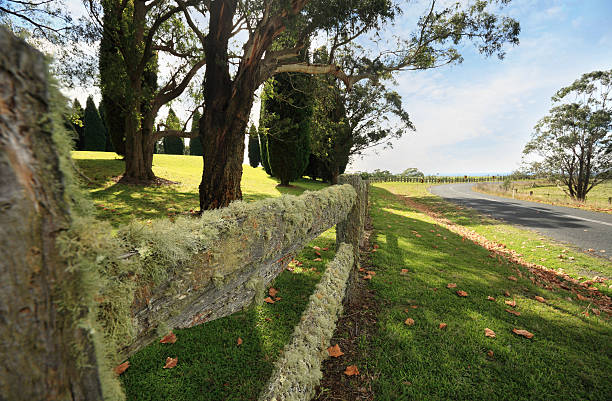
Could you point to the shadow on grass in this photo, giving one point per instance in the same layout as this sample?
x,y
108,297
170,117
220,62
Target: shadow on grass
x,y
211,364
568,358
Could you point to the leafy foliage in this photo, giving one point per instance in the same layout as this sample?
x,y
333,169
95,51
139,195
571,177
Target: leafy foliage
x,y
195,144
94,131
574,140
254,152
172,144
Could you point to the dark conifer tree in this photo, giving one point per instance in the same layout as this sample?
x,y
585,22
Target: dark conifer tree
x,y
94,136
195,144
254,152
78,114
172,144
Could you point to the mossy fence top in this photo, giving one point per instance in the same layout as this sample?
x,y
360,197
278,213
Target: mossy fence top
x,y
76,298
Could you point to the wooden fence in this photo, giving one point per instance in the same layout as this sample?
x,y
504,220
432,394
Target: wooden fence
x,y
438,180
77,297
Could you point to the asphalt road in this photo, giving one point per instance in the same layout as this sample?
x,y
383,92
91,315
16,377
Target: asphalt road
x,y
581,228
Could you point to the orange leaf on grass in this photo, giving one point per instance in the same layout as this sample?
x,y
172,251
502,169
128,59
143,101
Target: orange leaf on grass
x,y
268,300
277,299
506,293
121,367
361,269
540,299
325,249
580,297
442,326
404,272
335,351
168,338
351,370
170,363
316,248
272,291
451,285
317,260
239,342
409,321
376,246
462,293
489,333
490,353
374,250
490,298
523,333
511,303
367,277
371,273
515,313
317,253
512,278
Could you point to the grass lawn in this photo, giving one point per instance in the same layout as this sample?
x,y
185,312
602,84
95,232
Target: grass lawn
x,y
569,357
118,203
211,365
546,192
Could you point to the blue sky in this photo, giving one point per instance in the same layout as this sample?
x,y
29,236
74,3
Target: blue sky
x,y
475,117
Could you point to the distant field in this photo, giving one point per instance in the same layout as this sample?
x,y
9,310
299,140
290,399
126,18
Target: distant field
x,y
547,192
118,203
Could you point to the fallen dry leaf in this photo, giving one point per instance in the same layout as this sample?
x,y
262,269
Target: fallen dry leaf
x,y
540,299
489,333
351,370
506,293
374,250
170,363
376,246
523,333
462,293
596,311
168,338
325,249
121,367
367,277
409,321
317,253
580,297
317,260
511,303
272,291
404,272
335,351
451,285
268,300
361,269
516,313
442,326
490,298
277,299
239,342
316,248
512,278
371,273
490,353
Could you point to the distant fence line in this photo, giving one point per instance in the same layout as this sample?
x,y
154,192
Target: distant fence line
x,y
439,180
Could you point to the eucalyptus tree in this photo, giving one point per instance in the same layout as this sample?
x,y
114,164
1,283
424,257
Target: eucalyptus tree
x,y
237,71
136,34
573,141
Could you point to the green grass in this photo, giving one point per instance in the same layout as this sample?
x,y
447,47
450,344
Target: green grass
x,y
568,359
211,366
118,203
546,192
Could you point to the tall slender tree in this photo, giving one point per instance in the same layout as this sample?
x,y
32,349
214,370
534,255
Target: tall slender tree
x,y
94,137
254,152
195,143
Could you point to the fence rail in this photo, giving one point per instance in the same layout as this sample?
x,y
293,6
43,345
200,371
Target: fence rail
x,y
438,180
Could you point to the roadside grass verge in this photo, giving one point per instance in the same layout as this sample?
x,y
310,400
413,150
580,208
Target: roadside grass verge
x,y
568,358
533,247
211,365
546,192
119,203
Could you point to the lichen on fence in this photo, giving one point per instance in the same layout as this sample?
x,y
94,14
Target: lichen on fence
x,y
298,371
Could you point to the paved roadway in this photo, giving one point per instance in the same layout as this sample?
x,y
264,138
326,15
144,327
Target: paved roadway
x,y
581,228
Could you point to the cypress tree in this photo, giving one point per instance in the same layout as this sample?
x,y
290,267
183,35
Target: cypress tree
x,y
172,144
254,153
263,151
94,136
77,117
109,142
288,108
195,144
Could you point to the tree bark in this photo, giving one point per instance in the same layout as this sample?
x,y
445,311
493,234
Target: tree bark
x,y
39,342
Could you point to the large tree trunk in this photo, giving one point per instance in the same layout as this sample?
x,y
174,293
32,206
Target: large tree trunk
x,y
45,355
139,145
223,124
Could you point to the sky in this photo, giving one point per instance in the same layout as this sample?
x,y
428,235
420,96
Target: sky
x,y
475,117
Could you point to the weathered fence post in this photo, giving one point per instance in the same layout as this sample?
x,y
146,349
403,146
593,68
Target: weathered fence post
x,y
350,231
45,355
